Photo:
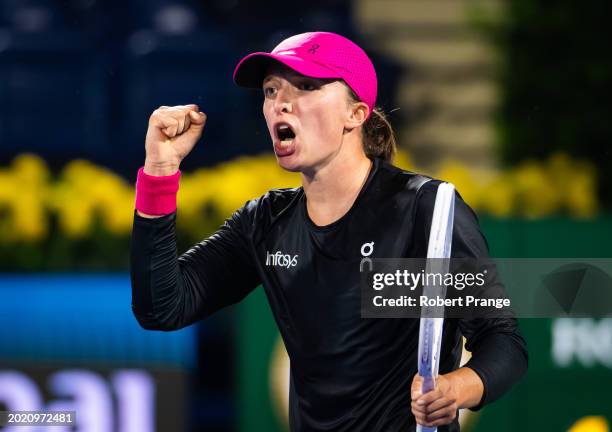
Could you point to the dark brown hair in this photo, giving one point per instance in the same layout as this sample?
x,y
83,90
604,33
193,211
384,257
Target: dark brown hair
x,y
378,136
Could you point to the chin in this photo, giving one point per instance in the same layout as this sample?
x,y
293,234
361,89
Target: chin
x,y
289,164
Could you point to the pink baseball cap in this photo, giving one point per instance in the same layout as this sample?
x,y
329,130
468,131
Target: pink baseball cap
x,y
316,55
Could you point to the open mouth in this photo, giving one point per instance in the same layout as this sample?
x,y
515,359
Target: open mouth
x,y
284,132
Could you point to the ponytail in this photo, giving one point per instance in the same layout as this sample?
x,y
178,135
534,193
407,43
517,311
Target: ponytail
x,y
378,136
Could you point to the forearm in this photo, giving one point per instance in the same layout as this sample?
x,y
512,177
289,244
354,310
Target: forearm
x,y
155,274
500,360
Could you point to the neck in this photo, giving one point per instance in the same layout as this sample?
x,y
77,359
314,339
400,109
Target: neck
x,y
332,189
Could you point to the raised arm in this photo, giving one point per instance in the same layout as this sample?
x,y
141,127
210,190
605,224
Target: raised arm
x,y
170,292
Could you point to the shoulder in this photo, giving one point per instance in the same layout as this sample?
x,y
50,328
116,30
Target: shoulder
x,y
426,199
265,209
421,187
393,178
275,201
468,240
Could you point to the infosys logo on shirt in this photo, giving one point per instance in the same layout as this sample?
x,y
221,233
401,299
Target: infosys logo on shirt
x,y
280,259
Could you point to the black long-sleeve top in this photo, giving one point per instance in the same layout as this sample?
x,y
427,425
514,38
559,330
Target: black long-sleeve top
x,y
347,373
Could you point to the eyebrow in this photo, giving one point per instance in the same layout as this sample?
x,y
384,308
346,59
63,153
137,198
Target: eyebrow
x,y
289,74
293,76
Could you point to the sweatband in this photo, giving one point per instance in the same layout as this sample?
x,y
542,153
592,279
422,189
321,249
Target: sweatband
x,y
156,195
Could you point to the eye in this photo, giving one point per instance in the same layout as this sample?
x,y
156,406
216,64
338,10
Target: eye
x,y
268,91
307,86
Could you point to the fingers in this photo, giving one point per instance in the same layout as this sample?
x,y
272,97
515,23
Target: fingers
x,y
445,413
443,421
429,397
440,404
424,421
440,408
173,121
435,408
181,124
416,387
171,126
198,118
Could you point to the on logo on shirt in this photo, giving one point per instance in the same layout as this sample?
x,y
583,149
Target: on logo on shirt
x,y
366,250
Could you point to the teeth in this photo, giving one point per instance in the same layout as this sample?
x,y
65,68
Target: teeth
x,y
285,134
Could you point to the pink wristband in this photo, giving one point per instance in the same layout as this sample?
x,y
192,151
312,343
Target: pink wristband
x,y
156,195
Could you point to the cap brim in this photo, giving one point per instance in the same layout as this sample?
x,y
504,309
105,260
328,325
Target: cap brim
x,y
250,71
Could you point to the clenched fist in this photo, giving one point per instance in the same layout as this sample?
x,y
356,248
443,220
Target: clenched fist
x,y
173,132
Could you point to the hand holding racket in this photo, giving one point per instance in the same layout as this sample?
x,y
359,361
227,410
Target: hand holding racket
x,y
436,407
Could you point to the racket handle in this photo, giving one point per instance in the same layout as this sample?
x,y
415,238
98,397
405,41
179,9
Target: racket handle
x,y
428,385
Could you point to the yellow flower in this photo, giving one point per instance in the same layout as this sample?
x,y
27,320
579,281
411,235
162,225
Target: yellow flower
x,y
22,191
99,192
591,424
75,217
246,178
8,187
538,194
581,199
464,182
29,218
581,190
117,216
31,169
402,160
498,196
78,194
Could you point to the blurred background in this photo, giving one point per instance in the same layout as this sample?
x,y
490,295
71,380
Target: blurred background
x,y
509,100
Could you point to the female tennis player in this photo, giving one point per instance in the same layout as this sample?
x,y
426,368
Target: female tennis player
x,y
304,246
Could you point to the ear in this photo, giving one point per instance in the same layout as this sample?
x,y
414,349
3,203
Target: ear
x,y
357,115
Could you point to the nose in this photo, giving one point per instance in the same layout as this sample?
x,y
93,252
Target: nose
x,y
282,102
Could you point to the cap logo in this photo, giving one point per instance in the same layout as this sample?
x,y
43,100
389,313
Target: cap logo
x,y
313,48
